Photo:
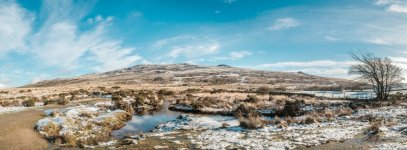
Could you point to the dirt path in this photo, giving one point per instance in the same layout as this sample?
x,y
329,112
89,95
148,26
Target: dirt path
x,y
17,131
17,128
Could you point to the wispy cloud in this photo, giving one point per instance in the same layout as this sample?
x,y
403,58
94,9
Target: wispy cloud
x,y
187,46
284,23
229,1
398,6
317,63
328,68
15,26
60,42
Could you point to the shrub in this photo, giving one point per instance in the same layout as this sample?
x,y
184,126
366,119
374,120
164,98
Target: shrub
x,y
191,90
277,120
139,102
197,104
62,102
116,87
292,108
48,102
373,131
368,117
214,91
252,99
251,121
244,109
155,103
69,139
290,120
165,92
29,103
120,104
309,120
329,114
51,130
7,103
344,112
263,90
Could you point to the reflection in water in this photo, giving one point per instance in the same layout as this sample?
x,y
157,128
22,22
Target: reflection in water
x,y
146,122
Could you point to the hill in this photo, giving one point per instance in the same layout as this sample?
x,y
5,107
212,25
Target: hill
x,y
196,75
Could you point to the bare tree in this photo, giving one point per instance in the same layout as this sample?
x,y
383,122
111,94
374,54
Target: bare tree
x,y
381,73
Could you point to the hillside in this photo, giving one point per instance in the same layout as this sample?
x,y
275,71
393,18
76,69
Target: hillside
x,y
194,75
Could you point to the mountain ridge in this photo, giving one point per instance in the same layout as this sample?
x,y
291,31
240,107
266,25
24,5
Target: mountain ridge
x,y
191,74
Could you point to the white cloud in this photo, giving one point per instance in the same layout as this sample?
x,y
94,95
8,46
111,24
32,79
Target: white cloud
x,y
15,25
229,1
60,43
189,47
385,2
284,23
331,38
402,63
239,54
334,72
378,41
317,63
397,6
329,68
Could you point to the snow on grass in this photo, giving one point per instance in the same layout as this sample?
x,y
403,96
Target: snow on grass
x,y
84,124
212,135
11,109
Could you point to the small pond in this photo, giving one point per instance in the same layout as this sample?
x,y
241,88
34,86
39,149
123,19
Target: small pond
x,y
147,122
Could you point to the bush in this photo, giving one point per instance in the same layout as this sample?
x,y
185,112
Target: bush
x,y
197,104
157,105
191,90
263,90
62,101
344,112
243,109
373,131
29,103
120,104
329,114
309,120
290,120
292,108
252,99
116,87
51,130
138,102
48,102
165,92
251,121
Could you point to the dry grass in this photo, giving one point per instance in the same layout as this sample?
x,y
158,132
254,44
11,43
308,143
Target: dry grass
x,y
51,130
251,121
29,103
309,120
69,140
344,112
290,120
373,131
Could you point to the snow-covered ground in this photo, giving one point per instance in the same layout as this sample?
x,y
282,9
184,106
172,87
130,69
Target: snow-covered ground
x,y
213,135
221,132
11,109
84,124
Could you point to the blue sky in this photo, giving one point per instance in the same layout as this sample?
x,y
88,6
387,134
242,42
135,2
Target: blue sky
x,y
50,38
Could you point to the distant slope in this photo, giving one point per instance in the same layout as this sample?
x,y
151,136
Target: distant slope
x,y
188,74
